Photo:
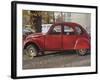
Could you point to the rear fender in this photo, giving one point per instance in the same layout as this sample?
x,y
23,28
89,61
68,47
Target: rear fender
x,y
82,44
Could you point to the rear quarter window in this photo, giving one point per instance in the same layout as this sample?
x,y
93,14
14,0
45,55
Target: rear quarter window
x,y
78,30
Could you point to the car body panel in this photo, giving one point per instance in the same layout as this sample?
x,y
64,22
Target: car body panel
x,y
68,41
53,39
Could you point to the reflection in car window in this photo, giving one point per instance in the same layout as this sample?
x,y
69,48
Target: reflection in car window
x,y
78,30
57,29
68,30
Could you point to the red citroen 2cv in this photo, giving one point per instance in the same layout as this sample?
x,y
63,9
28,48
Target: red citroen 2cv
x,y
60,37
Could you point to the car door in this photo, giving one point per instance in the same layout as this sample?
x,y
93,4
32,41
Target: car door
x,y
69,37
54,38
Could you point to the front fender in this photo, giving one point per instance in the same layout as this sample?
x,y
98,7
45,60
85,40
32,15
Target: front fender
x,y
82,44
31,41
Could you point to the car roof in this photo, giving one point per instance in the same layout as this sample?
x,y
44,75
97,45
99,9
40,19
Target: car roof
x,y
68,23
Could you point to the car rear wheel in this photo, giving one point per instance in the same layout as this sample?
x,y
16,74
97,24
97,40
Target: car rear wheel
x,y
31,51
81,52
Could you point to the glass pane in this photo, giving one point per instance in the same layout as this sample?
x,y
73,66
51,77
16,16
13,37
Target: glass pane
x,y
68,29
56,30
78,30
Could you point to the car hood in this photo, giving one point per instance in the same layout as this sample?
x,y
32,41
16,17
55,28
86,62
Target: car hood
x,y
36,35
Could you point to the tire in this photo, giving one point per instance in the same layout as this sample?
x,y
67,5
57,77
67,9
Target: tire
x,y
81,52
31,51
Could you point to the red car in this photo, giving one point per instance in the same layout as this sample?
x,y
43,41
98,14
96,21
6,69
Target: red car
x,y
60,37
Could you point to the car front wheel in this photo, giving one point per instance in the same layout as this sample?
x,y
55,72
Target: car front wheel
x,y
31,51
81,52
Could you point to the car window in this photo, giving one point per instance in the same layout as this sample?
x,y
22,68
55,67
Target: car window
x,y
78,30
56,29
68,30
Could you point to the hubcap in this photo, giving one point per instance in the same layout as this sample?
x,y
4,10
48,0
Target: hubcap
x,y
31,52
82,51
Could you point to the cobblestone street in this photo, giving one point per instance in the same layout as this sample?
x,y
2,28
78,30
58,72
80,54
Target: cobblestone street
x,y
56,60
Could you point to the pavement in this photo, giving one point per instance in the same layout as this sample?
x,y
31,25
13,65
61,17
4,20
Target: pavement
x,y
56,60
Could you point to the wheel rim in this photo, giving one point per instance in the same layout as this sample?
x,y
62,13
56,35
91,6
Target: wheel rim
x,y
31,52
82,51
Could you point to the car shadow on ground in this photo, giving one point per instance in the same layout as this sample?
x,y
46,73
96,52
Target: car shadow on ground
x,y
70,52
